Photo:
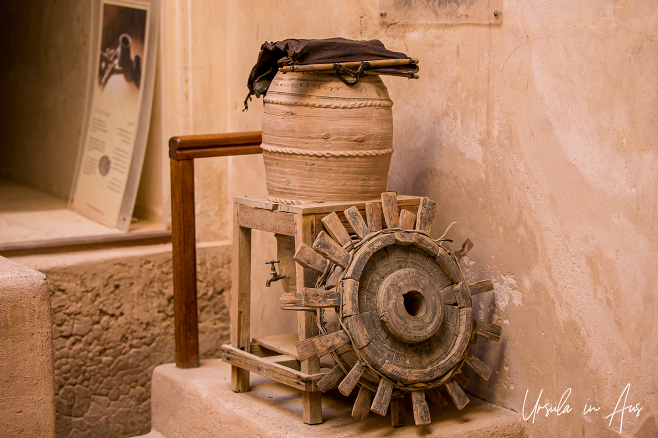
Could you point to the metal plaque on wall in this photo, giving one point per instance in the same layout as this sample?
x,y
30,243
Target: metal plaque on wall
x,y
441,11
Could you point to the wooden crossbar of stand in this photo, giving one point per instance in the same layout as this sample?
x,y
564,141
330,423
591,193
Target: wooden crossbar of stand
x,y
271,370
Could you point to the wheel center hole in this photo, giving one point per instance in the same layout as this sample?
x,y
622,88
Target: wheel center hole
x,y
414,303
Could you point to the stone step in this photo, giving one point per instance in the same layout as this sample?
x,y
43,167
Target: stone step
x,y
199,403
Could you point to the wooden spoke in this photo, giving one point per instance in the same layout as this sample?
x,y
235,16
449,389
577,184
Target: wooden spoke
x,y
328,247
374,216
457,394
320,298
425,215
461,294
330,379
407,219
390,209
398,413
466,247
488,330
481,287
350,381
331,342
290,299
482,369
308,258
462,379
362,404
293,302
336,229
321,345
421,410
350,297
356,221
436,398
382,397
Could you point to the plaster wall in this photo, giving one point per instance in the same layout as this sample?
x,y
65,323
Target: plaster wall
x,y
113,318
27,398
538,136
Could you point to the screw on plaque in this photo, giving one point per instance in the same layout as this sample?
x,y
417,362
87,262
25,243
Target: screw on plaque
x,y
495,13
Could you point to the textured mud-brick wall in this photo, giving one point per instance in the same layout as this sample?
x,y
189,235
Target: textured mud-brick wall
x,y
113,320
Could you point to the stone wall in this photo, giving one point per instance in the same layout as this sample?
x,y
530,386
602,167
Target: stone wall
x,y
113,323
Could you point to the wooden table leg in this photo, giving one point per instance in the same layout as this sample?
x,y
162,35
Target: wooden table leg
x,y
183,240
307,325
240,298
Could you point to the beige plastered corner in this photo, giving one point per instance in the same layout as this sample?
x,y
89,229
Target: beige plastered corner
x,y
27,402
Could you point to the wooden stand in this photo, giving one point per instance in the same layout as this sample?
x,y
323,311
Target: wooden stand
x,y
270,357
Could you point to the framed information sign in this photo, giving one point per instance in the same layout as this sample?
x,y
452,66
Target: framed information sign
x,y
122,76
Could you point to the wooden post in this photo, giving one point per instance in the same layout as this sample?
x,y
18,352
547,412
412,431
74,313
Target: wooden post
x,y
182,152
398,414
307,326
183,240
240,298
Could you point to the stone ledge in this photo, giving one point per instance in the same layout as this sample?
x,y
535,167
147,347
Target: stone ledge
x,y
199,403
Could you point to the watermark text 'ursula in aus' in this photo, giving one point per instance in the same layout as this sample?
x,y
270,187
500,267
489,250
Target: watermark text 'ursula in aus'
x,y
563,407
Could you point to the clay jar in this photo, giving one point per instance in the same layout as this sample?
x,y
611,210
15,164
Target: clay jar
x,y
324,140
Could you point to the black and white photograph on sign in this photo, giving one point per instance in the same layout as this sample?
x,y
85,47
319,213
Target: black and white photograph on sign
x,y
114,113
122,44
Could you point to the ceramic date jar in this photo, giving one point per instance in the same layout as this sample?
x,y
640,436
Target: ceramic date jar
x,y
324,140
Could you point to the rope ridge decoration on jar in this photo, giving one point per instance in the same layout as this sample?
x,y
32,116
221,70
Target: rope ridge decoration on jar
x,y
383,103
394,310
353,153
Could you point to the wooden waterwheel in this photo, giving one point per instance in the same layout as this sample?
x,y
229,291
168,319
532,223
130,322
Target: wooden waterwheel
x,y
394,311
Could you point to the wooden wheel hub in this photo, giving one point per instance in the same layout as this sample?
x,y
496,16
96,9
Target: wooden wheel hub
x,y
394,310
409,305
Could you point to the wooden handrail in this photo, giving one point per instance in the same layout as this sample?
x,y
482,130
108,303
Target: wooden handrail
x,y
214,145
182,152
